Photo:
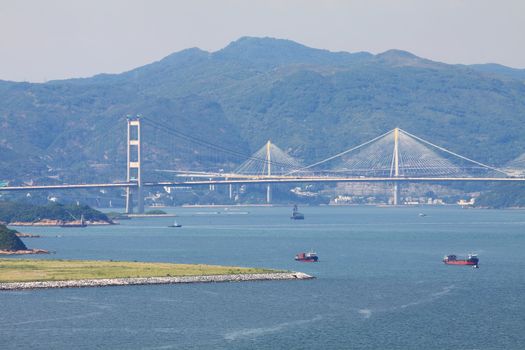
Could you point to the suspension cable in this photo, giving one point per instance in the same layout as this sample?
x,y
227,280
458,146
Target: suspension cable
x,y
207,144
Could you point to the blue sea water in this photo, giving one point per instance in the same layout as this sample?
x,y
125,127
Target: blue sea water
x,y
380,283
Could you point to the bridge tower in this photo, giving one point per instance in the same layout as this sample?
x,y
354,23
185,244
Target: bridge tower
x,y
269,171
396,165
134,164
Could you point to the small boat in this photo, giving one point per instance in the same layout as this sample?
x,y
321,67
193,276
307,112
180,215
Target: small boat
x,y
82,223
422,214
307,257
175,224
296,215
471,260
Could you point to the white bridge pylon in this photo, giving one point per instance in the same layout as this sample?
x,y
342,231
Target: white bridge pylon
x,y
397,153
269,160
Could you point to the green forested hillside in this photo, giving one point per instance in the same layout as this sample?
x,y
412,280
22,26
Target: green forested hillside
x,y
25,212
311,102
9,239
502,196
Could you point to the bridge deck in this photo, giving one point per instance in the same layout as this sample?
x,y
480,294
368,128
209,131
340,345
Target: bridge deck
x,y
266,180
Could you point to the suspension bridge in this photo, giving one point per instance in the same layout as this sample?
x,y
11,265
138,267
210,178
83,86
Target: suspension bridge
x,y
395,157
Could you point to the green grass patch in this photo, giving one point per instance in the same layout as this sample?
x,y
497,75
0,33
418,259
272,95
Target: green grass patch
x,y
15,270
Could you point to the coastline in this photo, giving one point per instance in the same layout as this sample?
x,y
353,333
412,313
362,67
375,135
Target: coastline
x,y
26,235
57,223
151,215
24,252
277,276
232,206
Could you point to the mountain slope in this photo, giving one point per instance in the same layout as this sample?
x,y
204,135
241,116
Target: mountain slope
x,y
312,103
499,71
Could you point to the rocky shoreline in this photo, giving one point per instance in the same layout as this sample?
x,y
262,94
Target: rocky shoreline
x,y
48,222
155,280
24,251
26,235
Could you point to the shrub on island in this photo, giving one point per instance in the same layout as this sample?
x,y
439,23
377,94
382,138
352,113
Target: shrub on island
x,y
155,212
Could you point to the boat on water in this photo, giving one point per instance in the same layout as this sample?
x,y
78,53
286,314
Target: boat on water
x,y
471,260
422,214
296,215
81,223
307,257
175,224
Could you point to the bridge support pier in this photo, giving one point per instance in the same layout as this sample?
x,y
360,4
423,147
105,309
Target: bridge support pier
x,y
129,201
396,198
140,200
268,194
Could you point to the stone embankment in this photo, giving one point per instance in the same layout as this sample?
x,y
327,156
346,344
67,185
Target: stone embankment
x,y
48,222
26,235
24,251
156,280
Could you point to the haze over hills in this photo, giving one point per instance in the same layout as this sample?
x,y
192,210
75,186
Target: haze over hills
x,y
311,102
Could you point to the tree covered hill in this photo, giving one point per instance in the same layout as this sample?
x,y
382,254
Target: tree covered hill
x,y
9,240
24,212
502,196
311,102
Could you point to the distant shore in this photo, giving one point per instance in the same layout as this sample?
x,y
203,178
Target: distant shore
x,y
58,223
24,252
278,276
151,215
231,206
26,235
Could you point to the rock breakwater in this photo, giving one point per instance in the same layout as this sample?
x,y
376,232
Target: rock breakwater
x,y
24,252
49,222
155,280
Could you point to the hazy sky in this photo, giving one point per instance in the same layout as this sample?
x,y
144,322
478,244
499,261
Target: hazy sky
x,y
54,39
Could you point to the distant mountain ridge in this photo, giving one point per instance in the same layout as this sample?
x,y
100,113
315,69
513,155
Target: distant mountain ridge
x,y
311,102
499,70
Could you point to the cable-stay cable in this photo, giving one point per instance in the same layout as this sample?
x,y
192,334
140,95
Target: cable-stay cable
x,y
454,154
342,153
414,157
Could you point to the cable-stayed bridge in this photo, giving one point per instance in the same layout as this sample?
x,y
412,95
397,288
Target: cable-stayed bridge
x,y
396,156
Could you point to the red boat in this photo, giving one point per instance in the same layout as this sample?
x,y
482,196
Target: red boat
x,y
471,260
307,257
